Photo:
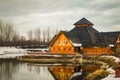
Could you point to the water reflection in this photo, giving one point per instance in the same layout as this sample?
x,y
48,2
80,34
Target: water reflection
x,y
61,72
15,70
8,69
64,72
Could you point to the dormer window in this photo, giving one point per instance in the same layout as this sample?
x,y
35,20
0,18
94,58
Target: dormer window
x,y
65,42
57,42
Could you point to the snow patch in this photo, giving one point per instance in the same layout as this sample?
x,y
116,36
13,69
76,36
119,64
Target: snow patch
x,y
76,74
111,76
76,44
11,52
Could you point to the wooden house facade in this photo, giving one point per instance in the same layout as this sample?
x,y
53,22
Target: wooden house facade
x,y
83,38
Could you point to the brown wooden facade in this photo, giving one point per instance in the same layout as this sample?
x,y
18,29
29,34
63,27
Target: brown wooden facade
x,y
96,50
61,45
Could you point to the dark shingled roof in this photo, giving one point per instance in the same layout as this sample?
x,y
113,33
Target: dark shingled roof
x,y
101,40
83,21
90,37
110,37
84,35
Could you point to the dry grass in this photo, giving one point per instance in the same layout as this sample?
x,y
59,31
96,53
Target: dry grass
x,y
97,75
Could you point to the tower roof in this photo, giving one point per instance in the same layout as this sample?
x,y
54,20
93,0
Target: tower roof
x,y
83,21
84,35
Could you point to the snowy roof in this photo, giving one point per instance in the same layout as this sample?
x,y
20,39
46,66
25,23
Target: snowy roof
x,y
111,45
76,44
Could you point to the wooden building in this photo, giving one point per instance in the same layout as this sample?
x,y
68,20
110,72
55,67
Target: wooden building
x,y
83,38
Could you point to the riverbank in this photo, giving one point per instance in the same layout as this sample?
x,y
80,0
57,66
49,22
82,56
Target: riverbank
x,y
11,52
51,58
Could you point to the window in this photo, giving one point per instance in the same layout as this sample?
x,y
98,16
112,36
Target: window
x,y
69,48
65,76
65,42
59,49
57,76
64,48
53,48
57,42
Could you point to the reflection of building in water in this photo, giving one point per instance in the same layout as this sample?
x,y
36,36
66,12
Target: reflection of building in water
x,y
61,72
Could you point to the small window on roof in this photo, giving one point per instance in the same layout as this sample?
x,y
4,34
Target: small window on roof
x,y
57,42
65,42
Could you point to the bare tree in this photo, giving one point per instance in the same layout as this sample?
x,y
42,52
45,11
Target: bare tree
x,y
37,34
48,34
15,38
7,31
30,35
22,38
1,30
44,36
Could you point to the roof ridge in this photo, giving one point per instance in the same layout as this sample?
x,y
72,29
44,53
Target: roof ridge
x,y
83,21
90,34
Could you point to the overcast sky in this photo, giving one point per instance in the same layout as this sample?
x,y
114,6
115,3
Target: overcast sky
x,y
62,14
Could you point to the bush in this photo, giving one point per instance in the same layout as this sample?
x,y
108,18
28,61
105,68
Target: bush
x,y
110,61
91,62
97,75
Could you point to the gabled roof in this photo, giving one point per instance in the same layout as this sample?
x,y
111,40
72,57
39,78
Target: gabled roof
x,y
83,21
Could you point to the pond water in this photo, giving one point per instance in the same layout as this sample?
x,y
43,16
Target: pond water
x,y
15,70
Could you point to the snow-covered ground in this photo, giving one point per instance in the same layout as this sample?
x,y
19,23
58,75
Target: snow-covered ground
x,y
111,76
76,76
11,52
38,49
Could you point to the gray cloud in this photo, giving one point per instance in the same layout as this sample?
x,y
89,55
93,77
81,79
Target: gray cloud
x,y
28,14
